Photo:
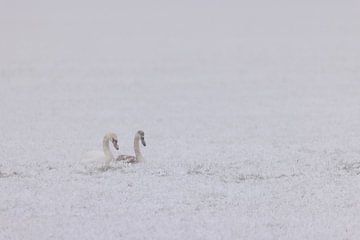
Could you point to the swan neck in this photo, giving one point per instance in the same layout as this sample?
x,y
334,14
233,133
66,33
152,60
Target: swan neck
x,y
138,154
106,149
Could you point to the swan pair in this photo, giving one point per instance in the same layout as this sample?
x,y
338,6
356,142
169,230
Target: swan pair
x,y
112,137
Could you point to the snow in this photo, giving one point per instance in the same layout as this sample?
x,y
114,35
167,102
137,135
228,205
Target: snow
x,y
250,112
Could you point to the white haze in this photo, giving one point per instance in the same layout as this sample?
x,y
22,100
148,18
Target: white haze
x,y
250,111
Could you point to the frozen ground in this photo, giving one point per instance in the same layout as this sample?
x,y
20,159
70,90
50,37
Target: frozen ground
x,y
251,112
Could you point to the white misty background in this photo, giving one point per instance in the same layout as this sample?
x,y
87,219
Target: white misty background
x,y
250,110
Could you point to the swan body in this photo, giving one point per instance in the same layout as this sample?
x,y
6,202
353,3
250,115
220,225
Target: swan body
x,y
139,136
106,155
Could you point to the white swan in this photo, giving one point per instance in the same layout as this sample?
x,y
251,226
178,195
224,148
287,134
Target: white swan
x,y
108,155
94,157
140,135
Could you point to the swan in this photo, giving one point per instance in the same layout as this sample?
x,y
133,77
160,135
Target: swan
x,y
140,135
106,148
94,157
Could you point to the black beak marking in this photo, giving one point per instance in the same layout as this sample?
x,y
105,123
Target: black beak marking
x,y
143,142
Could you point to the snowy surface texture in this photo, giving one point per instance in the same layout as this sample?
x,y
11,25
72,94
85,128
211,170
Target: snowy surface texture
x,y
251,111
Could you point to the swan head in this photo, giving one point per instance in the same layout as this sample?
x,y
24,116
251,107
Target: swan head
x,y
142,137
114,140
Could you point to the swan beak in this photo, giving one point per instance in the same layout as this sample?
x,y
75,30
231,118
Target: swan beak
x,y
116,146
143,142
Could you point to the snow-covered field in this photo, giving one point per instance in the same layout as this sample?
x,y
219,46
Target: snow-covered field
x,y
251,113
